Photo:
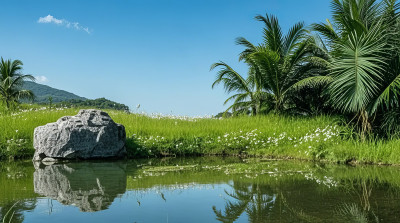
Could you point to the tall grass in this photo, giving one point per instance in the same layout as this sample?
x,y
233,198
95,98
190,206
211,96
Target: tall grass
x,y
145,125
263,135
316,138
16,129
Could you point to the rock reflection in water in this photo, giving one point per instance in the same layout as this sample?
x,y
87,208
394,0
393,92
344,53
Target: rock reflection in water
x,y
90,186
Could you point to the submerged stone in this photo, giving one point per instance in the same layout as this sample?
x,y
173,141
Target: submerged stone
x,y
88,135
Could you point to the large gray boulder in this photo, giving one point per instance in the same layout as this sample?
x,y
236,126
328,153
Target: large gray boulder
x,y
88,135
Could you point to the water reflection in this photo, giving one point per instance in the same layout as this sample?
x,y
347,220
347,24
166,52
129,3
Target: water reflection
x,y
199,190
89,186
293,199
353,213
359,212
12,212
257,201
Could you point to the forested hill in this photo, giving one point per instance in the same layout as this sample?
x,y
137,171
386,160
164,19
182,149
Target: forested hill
x,y
100,103
65,98
43,92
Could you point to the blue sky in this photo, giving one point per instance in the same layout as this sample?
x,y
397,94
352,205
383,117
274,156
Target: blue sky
x,y
148,52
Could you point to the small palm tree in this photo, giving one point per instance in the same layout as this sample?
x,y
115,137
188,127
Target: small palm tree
x,y
249,96
11,81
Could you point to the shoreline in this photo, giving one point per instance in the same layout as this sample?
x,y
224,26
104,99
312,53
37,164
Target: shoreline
x,y
317,138
351,162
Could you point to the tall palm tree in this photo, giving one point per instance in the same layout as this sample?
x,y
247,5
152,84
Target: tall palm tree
x,y
11,81
280,58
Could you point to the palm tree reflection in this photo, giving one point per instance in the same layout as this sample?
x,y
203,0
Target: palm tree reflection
x,y
263,202
250,198
13,211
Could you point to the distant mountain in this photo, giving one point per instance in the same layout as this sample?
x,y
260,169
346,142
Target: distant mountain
x,y
43,92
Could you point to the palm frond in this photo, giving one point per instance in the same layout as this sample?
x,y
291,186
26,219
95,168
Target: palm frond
x,y
326,30
250,48
357,72
295,35
312,82
268,64
230,78
272,32
237,98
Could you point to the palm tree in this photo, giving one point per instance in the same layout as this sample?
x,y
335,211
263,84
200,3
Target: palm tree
x,y
11,81
364,59
280,59
249,96
274,67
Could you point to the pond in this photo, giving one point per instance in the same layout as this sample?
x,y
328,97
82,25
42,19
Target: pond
x,y
207,189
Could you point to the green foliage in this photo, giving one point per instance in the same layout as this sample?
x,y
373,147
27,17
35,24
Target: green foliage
x,y
349,66
364,64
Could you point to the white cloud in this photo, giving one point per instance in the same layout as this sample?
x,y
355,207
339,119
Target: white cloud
x,y
63,22
41,79
49,19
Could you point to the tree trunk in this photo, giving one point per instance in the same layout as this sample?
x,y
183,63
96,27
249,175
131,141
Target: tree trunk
x,y
366,127
254,110
277,104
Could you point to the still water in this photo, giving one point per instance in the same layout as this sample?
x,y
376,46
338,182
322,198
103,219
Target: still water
x,y
198,190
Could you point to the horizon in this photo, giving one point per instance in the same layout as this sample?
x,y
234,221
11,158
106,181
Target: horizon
x,y
154,53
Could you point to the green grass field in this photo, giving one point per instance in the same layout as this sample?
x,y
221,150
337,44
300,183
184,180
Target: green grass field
x,y
317,138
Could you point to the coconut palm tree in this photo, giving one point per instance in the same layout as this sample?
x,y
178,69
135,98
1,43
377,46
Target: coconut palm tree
x,y
248,97
280,59
11,81
275,66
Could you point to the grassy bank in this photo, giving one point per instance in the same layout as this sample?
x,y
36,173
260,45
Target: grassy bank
x,y
318,138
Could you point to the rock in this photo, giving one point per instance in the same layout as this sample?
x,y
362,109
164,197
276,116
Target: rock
x,y
49,159
89,134
91,186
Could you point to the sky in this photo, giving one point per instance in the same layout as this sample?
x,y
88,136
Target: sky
x,y
156,53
